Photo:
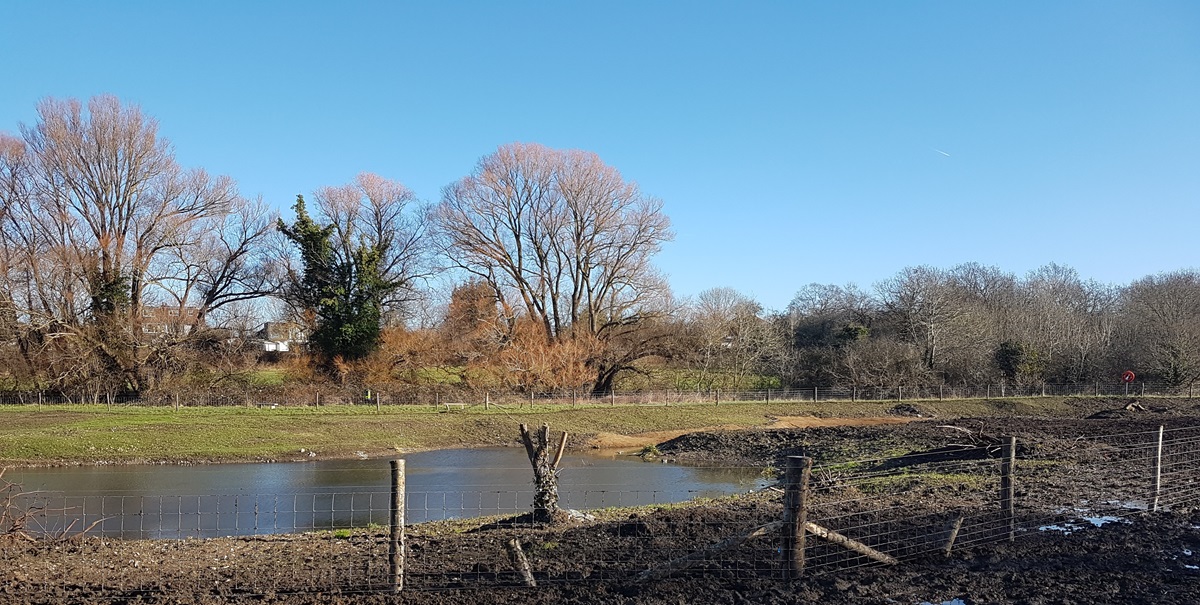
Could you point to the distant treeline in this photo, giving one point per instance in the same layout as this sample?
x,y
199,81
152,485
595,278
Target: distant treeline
x,y
124,272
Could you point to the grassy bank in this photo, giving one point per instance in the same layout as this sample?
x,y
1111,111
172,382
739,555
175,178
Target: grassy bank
x,y
96,434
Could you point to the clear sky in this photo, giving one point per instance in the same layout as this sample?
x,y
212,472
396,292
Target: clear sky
x,y
792,142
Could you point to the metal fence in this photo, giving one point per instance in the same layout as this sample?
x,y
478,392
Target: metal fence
x,y
854,513
458,398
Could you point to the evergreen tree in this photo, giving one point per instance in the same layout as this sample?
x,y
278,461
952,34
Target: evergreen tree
x,y
342,285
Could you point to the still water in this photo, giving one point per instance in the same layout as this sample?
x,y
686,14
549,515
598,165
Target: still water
x,y
154,501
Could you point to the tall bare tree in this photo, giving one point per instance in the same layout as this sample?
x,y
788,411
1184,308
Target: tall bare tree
x,y
94,202
562,237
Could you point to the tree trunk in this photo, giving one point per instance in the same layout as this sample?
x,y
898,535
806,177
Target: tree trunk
x,y
545,473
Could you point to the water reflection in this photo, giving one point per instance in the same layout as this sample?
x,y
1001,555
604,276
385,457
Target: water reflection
x,y
247,499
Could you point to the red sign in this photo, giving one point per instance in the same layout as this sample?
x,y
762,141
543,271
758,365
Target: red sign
x,y
1128,376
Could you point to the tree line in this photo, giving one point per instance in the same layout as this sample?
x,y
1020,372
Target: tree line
x,y
125,271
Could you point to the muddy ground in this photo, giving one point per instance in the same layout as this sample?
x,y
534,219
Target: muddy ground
x,y
1058,555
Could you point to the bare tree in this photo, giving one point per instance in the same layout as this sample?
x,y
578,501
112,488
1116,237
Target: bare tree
x,y
223,260
94,201
1162,326
562,237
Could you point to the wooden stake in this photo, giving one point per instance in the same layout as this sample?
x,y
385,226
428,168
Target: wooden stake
x,y
396,538
1007,488
1157,470
954,529
517,555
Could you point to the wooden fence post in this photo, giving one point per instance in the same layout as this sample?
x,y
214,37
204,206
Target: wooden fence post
x,y
176,401
487,400
1008,462
396,539
795,514
1157,470
814,394
717,397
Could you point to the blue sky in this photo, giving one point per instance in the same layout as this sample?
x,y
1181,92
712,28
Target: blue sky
x,y
792,142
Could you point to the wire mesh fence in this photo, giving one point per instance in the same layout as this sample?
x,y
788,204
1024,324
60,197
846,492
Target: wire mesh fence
x,y
448,399
856,513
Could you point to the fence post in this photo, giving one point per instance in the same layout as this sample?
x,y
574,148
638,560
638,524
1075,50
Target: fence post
x,y
717,397
396,539
795,514
572,398
900,393
1007,488
1143,389
1157,470
176,401
814,394
940,386
317,399
989,391
1043,389
854,393
768,395
487,400
612,397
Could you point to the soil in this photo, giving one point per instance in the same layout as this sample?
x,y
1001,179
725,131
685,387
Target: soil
x,y
1138,558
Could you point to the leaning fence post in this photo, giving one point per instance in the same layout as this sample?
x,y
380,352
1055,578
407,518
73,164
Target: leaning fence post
x,y
795,514
1157,470
1007,491
396,539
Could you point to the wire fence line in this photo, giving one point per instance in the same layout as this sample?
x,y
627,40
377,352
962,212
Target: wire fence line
x,y
451,399
879,511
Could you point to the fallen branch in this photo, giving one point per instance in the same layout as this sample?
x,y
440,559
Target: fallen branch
x,y
691,559
849,543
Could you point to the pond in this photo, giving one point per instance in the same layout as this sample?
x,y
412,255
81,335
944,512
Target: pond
x,y
161,501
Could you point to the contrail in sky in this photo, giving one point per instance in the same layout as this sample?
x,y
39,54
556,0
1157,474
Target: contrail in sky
x,y
940,151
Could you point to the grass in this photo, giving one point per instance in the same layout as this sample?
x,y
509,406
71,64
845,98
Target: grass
x,y
89,434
